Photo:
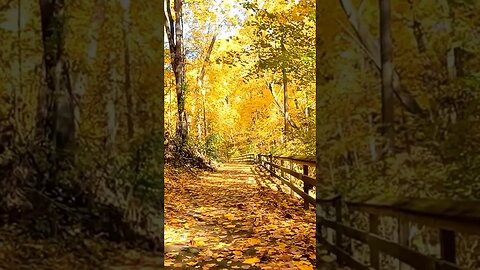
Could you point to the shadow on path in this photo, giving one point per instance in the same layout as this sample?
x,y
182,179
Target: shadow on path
x,y
232,219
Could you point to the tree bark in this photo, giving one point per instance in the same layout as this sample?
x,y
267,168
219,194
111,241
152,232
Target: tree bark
x,y
200,82
417,30
285,91
17,94
57,117
277,102
204,101
387,74
80,78
110,110
285,102
373,51
128,82
174,31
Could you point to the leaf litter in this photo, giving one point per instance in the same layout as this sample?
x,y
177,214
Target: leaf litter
x,y
232,219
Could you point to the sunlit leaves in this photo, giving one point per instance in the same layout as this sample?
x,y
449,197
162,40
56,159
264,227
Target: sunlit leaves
x,y
240,223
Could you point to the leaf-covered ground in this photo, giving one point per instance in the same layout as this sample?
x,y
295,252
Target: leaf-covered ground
x,y
235,219
19,251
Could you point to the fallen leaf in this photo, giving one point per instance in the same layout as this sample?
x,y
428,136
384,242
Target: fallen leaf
x,y
303,265
254,241
252,261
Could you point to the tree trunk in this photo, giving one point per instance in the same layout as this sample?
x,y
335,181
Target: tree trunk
x,y
285,92
128,83
204,101
110,109
19,93
58,121
451,56
387,75
307,113
372,48
372,145
175,40
80,78
200,81
417,30
277,101
285,101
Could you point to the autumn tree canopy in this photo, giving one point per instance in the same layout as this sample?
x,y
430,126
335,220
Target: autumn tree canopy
x,y
249,76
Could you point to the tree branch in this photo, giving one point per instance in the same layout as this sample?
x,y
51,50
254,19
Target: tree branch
x,y
277,102
372,46
170,28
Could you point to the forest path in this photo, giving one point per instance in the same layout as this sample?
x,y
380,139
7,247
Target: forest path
x,y
232,219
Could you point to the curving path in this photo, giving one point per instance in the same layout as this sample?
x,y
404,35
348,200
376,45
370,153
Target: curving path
x,y
235,219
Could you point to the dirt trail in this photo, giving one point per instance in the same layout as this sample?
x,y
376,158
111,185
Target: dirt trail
x,y
233,219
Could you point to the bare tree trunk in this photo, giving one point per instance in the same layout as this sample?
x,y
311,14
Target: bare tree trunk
x,y
110,109
387,75
451,53
174,31
372,144
80,78
285,91
19,93
128,82
417,30
58,101
59,123
307,112
199,129
285,102
276,99
200,88
373,51
204,101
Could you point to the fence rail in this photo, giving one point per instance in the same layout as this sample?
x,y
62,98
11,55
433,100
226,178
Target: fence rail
x,y
270,163
448,217
244,158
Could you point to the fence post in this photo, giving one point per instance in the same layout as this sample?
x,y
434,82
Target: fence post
x,y
281,164
403,233
447,245
290,178
373,229
338,219
306,187
271,162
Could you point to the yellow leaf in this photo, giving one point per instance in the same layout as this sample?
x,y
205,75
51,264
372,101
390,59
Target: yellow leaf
x,y
192,263
199,243
251,261
303,265
254,241
229,216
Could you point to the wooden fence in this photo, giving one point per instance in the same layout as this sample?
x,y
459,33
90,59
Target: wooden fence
x,y
249,158
276,166
448,217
